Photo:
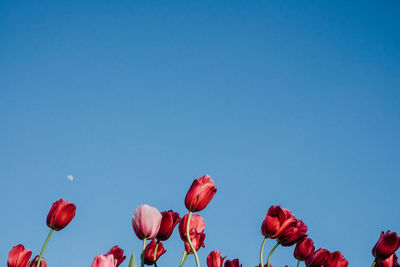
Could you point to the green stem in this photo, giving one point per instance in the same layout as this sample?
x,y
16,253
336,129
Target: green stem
x,y
190,242
184,257
270,253
373,264
44,247
155,253
298,263
142,256
261,252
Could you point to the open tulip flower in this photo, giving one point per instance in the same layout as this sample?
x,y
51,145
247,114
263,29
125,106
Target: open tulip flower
x,y
18,256
196,232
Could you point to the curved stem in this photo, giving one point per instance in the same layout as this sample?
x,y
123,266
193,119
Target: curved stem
x,y
261,252
373,264
155,253
270,253
298,263
190,242
142,256
184,257
44,247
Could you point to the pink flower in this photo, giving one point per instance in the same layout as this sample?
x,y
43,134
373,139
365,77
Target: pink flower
x,y
146,222
18,256
118,254
196,232
200,193
104,261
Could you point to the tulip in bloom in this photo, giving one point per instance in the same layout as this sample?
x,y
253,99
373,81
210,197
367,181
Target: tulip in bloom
x,y
35,260
118,254
276,221
169,220
196,232
200,193
149,252
61,214
318,258
233,263
293,233
389,262
336,259
304,248
104,261
146,222
387,244
18,256
214,259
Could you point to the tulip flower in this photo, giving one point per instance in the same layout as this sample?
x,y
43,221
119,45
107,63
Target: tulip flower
x,y
104,261
276,220
336,259
389,262
146,222
196,232
118,254
293,233
150,250
214,259
35,260
200,193
233,263
387,244
168,222
318,258
304,248
18,256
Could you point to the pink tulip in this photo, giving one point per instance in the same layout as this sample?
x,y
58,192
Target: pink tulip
x,y
146,222
104,261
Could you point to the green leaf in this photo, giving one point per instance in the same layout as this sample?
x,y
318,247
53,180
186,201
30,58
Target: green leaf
x,y
132,262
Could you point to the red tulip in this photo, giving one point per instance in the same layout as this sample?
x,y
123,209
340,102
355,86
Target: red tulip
x,y
387,244
33,263
196,232
304,248
233,263
168,222
18,256
214,259
318,258
104,261
61,214
200,193
293,233
118,254
146,222
336,259
389,262
149,252
276,221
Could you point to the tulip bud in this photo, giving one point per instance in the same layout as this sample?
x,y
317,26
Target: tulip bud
x,y
146,222
336,259
149,252
196,232
293,233
389,262
387,244
35,260
276,221
18,256
233,263
118,254
214,259
104,261
200,193
304,248
318,258
61,214
168,222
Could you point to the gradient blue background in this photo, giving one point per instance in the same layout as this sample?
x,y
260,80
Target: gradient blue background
x,y
294,103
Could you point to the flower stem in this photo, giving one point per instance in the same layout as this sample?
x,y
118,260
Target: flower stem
x,y
373,264
270,253
142,256
298,263
44,247
184,256
190,242
262,251
155,253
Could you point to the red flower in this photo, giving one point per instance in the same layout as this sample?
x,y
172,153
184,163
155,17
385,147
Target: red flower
x,y
118,254
318,258
149,252
168,222
18,256
233,263
293,233
336,259
276,221
214,259
200,193
196,232
387,244
61,214
389,262
35,260
304,248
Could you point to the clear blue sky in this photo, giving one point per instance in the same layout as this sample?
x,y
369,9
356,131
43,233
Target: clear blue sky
x,y
294,103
